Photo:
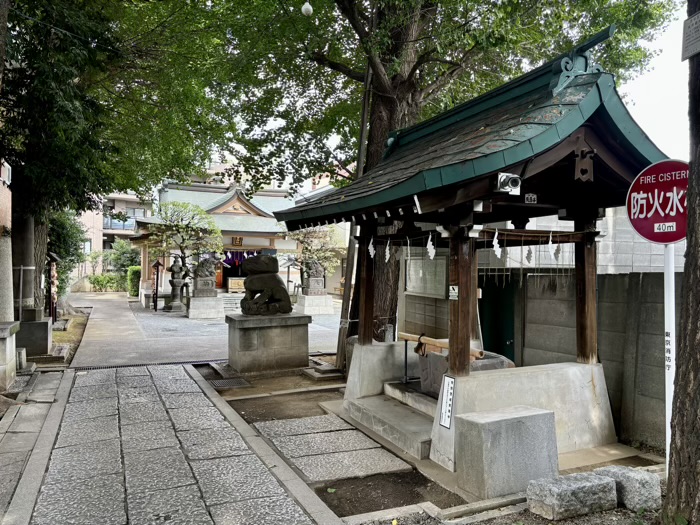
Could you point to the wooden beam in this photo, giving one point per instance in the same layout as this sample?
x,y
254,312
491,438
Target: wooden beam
x,y
586,293
510,238
462,255
366,276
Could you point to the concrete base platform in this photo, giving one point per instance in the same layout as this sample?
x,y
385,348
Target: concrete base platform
x,y
206,308
35,336
353,464
314,305
575,392
404,426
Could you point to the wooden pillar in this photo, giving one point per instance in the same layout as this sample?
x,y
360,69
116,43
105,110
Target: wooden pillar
x,y
462,261
366,276
586,294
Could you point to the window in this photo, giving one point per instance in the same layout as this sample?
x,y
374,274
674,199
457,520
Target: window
x,y
87,247
135,212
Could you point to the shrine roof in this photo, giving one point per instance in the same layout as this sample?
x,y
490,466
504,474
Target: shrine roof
x,y
504,127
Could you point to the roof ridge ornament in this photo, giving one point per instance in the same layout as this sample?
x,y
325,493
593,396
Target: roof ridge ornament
x,y
578,61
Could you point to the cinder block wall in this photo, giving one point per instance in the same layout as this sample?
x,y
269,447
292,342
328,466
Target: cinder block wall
x,y
630,343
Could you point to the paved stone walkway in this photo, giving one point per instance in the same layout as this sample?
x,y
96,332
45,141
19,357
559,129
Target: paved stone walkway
x,y
144,446
121,333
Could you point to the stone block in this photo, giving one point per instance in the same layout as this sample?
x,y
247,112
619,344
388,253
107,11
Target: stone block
x,y
206,308
636,489
499,452
572,495
314,304
274,342
35,336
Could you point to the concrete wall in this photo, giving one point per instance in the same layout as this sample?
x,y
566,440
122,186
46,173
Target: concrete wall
x,y
630,343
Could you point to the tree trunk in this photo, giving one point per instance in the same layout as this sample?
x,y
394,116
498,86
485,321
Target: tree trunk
x,y
683,493
41,240
4,12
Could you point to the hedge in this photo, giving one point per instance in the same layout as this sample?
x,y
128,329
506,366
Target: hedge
x,y
133,279
108,282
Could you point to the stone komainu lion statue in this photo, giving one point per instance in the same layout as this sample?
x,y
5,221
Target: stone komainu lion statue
x,y
265,292
205,268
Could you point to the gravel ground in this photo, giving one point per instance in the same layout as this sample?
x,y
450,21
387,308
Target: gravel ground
x,y
617,517
411,519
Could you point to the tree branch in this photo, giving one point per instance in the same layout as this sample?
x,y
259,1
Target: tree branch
x,y
323,60
447,76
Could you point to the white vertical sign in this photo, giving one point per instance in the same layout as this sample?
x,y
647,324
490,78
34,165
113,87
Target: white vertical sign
x,y
448,394
669,338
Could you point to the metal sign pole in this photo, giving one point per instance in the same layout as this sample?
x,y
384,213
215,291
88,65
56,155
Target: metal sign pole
x,y
670,338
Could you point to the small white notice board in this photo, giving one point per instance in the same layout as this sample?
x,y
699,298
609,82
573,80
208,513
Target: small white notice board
x,y
448,393
691,37
454,292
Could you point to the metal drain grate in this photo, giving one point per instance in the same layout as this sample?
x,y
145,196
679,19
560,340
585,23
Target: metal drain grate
x,y
205,362
223,384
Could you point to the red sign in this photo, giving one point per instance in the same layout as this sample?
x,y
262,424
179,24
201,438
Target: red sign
x,y
657,202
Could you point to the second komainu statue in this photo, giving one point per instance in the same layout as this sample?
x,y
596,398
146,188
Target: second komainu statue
x,y
265,292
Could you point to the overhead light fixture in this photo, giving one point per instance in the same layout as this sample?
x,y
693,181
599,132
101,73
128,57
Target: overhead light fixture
x,y
307,10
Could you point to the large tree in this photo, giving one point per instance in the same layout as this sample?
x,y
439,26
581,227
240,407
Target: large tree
x,y
682,504
299,79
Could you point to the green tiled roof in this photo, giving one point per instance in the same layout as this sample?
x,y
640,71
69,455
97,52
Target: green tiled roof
x,y
502,128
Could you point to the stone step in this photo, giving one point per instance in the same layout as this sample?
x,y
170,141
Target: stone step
x,y
425,404
406,427
326,368
313,374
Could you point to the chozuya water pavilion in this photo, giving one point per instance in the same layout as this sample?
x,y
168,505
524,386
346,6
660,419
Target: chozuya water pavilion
x,y
561,133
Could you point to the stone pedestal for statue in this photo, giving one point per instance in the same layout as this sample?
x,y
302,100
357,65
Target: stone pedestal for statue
x,y
259,343
204,287
314,304
8,360
175,304
206,307
36,336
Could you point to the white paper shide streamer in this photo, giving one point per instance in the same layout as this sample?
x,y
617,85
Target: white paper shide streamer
x,y
387,252
550,246
496,247
431,247
371,249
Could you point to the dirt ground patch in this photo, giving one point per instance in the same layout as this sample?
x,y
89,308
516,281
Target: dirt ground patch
x,y
384,491
286,406
73,336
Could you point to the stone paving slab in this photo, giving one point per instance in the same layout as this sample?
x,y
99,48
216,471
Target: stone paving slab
x,y
18,442
278,510
212,443
132,413
303,425
95,501
90,409
70,464
48,381
30,418
11,466
178,506
86,393
168,371
42,396
132,381
19,384
354,464
323,443
234,479
95,377
148,436
176,386
87,431
197,418
150,470
138,394
185,400
132,371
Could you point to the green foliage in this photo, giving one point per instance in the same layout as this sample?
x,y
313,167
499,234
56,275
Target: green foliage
x,y
318,244
94,258
298,80
184,230
133,280
122,256
66,240
108,282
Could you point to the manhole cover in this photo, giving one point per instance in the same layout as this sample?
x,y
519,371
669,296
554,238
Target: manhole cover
x,y
223,384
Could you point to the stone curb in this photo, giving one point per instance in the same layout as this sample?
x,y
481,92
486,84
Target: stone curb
x,y
303,494
20,510
490,514
481,506
320,388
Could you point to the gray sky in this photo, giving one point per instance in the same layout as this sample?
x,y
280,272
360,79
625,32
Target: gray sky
x,y
658,100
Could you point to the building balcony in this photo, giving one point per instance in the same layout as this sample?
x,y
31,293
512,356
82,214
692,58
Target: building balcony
x,y
108,223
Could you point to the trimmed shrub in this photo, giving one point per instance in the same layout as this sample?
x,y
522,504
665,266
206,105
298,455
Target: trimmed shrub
x,y
108,282
133,279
